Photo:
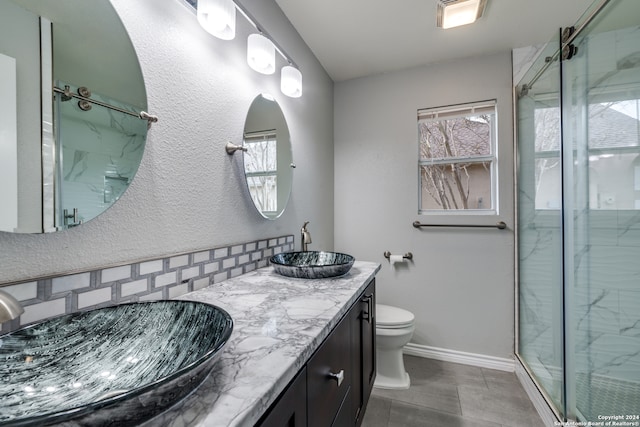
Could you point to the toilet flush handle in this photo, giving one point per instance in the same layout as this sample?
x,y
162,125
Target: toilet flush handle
x,y
339,377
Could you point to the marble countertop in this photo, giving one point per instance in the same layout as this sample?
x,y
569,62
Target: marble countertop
x,y
278,323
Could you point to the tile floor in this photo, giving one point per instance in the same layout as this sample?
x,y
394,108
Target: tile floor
x,y
444,394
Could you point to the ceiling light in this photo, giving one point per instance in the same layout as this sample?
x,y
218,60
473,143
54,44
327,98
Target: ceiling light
x,y
454,13
291,81
218,17
261,54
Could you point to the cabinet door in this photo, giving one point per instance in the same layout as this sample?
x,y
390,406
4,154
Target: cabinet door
x,y
290,410
369,340
363,333
329,376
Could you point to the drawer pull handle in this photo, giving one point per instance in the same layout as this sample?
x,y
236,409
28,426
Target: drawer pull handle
x,y
339,377
369,300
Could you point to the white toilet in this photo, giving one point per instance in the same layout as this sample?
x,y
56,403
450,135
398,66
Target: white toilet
x,y
394,329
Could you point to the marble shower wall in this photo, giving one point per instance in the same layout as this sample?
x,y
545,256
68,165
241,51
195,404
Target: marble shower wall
x,y
155,279
603,301
101,151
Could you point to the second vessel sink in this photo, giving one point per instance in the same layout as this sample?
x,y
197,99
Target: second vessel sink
x,y
118,365
312,264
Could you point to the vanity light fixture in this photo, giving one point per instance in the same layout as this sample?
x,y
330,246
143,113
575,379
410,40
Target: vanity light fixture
x,y
261,54
454,13
218,18
291,81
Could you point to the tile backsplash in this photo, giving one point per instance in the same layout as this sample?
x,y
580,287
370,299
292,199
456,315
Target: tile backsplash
x,y
161,278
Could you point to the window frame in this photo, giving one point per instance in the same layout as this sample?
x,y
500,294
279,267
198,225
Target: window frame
x,y
454,111
267,136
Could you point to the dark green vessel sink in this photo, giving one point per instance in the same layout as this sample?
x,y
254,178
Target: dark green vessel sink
x,y
312,264
118,365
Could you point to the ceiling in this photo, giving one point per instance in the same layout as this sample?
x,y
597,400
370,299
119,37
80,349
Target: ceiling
x,y
355,38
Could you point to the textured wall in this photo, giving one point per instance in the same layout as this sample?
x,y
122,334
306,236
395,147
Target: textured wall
x,y
189,194
460,283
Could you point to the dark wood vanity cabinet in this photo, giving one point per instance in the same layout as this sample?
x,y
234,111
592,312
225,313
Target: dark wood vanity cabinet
x,y
329,378
333,389
290,409
363,336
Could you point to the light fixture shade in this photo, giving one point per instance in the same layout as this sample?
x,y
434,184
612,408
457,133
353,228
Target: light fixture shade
x,y
218,17
454,13
291,81
261,54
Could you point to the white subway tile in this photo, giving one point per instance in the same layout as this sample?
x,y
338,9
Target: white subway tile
x,y
200,283
151,266
176,291
201,256
151,297
33,313
22,291
165,279
116,273
211,268
220,253
178,261
132,288
68,283
98,296
188,273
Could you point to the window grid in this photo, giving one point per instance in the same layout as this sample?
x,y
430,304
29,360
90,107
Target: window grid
x,y
472,177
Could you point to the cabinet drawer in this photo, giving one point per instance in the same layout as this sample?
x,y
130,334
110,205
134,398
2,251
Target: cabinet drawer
x,y
290,410
325,391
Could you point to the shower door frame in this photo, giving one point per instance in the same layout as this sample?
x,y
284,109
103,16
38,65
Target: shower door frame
x,y
566,161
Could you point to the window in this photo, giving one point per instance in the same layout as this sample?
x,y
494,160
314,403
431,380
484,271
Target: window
x,y
612,155
260,165
457,164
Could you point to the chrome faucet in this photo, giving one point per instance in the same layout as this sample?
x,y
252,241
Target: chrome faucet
x,y
10,308
305,237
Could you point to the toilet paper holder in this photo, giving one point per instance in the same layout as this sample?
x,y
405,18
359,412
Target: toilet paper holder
x,y
408,255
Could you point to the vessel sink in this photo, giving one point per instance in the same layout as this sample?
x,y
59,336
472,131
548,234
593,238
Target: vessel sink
x,y
312,264
118,365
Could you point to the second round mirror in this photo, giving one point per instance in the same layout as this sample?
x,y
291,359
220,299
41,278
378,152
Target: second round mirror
x,y
268,160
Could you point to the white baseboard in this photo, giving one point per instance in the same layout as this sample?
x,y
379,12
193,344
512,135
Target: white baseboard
x,y
446,355
541,405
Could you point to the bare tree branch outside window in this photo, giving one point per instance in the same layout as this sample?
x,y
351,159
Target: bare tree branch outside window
x,y
456,158
260,164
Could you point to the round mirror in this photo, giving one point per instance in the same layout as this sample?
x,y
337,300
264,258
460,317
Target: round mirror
x,y
71,138
268,161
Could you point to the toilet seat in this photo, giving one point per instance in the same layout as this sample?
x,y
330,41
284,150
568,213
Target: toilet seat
x,y
388,317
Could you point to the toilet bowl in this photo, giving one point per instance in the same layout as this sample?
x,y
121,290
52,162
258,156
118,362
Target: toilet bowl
x,y
394,329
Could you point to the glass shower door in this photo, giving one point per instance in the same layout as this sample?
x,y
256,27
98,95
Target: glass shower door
x,y
540,305
601,103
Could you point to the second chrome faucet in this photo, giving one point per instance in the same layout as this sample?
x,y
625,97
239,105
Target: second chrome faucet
x,y
305,237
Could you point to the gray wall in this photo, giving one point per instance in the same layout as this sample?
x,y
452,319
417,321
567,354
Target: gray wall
x,y
189,194
460,283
